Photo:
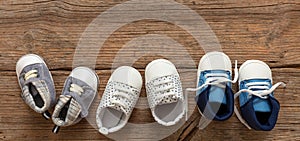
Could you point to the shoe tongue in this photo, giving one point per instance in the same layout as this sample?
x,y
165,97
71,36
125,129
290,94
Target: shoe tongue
x,y
66,111
261,105
217,94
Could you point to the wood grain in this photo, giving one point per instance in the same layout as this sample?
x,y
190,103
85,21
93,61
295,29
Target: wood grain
x,y
264,30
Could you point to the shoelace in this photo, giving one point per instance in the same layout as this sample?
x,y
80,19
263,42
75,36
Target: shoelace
x,y
121,92
262,91
31,74
164,88
77,89
215,79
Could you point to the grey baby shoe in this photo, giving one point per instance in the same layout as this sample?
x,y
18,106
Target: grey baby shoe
x,y
36,83
78,93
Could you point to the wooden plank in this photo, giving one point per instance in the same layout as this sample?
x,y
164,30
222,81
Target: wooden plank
x,y
23,123
53,28
265,30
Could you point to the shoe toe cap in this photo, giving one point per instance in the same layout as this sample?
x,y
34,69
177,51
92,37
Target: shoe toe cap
x,y
127,75
159,68
86,75
254,69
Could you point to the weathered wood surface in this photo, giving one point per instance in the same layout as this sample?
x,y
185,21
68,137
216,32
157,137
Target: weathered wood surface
x,y
264,30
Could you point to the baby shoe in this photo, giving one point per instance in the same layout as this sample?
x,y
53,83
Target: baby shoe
x,y
36,83
78,93
214,96
118,100
164,92
258,106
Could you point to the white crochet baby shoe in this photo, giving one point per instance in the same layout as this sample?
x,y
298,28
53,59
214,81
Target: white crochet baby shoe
x,y
164,92
118,100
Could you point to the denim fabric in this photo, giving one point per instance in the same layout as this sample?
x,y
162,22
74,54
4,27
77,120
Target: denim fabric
x,y
243,98
249,105
204,96
202,101
79,104
202,79
85,99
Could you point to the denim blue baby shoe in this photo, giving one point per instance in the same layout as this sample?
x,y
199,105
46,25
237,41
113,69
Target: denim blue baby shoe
x,y
79,91
258,106
214,96
36,83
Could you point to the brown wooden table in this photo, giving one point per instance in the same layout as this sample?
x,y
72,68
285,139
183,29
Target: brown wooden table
x,y
264,30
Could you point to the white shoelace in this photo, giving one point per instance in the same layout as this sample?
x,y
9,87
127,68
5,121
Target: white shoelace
x,y
262,92
31,74
215,79
164,88
76,88
121,93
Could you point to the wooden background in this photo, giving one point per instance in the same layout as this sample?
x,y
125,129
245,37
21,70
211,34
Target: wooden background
x,y
250,29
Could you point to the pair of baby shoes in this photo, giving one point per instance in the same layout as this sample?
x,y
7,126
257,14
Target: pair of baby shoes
x,y
215,98
38,91
164,93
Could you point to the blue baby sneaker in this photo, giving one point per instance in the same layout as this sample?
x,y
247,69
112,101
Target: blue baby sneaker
x,y
78,93
36,82
258,106
214,96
